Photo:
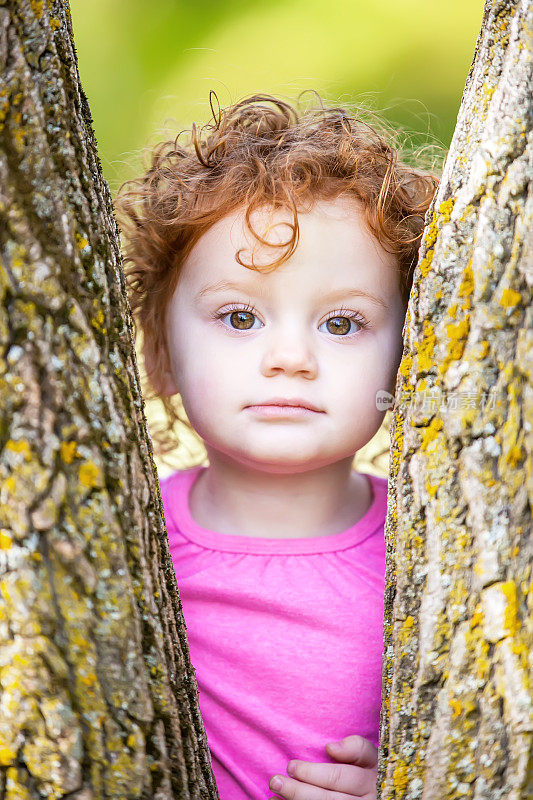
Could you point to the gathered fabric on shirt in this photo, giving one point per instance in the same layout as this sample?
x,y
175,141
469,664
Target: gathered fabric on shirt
x,y
285,636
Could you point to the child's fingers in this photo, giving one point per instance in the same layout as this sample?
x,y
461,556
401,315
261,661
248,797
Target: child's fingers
x,y
309,779
296,790
354,750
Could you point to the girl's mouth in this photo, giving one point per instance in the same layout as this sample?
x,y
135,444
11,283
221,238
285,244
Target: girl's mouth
x,y
275,410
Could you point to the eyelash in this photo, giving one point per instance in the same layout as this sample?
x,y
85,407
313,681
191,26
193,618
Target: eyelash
x,y
338,312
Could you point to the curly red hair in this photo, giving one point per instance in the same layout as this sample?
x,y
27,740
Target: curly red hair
x,y
260,151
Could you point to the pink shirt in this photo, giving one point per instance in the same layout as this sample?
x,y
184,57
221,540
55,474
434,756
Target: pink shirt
x,y
285,635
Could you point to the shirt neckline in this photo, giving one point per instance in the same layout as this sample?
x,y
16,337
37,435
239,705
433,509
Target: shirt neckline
x,y
179,486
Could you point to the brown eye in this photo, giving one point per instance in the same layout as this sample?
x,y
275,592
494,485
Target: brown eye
x,y
242,320
338,325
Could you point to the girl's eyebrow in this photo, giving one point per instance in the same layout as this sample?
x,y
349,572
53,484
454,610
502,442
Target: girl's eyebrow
x,y
220,286
339,293
331,296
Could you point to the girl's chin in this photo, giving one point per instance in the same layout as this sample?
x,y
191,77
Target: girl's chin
x,y
281,461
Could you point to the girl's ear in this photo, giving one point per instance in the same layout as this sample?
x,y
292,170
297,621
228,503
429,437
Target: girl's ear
x,y
162,380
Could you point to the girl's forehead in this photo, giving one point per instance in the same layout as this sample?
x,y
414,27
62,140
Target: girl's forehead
x,y
274,223
334,228
335,252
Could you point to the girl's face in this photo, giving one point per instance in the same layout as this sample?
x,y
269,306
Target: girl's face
x,y
306,332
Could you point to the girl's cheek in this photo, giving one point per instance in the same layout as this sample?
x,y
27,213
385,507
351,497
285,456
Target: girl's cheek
x,y
206,384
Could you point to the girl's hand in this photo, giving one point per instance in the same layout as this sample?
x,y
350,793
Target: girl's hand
x,y
354,777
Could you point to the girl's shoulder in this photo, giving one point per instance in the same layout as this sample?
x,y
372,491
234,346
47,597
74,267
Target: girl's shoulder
x,y
174,490
177,478
380,486
378,479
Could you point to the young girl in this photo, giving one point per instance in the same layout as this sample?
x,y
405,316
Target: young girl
x,y
271,263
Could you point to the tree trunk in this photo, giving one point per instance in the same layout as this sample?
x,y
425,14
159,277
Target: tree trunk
x,y
457,717
99,698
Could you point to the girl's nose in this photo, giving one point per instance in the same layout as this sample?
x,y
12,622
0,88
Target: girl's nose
x,y
290,353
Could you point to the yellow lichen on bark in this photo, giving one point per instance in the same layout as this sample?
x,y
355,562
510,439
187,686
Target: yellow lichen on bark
x,y
426,347
69,451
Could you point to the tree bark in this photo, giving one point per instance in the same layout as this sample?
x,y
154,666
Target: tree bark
x,y
457,716
99,698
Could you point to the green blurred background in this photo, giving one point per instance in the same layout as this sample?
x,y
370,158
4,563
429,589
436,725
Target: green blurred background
x,y
147,67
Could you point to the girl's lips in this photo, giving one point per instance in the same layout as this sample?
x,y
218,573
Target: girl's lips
x,y
295,402
271,410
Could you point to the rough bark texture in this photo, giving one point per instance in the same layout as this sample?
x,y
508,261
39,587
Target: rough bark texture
x,y
98,696
457,705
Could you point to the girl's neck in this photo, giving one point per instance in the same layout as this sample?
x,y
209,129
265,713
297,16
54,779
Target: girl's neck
x,y
231,498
